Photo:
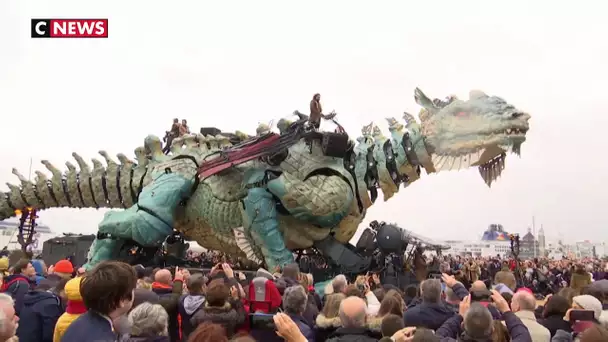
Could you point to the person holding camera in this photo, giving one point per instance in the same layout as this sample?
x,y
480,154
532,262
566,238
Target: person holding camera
x,y
475,323
223,303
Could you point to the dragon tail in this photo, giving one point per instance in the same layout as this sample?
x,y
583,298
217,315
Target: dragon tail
x,y
115,185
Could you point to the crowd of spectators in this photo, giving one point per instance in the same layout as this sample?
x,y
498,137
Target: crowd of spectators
x,y
208,259
118,302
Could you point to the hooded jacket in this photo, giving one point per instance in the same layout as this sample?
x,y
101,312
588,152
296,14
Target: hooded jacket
x,y
325,327
39,314
39,267
4,266
74,309
188,306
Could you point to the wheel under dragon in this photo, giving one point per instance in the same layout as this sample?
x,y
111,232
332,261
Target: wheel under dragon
x,y
266,195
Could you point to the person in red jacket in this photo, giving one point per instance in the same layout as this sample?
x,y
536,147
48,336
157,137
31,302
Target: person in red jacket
x,y
263,294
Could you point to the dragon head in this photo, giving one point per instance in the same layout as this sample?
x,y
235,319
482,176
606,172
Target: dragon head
x,y
476,132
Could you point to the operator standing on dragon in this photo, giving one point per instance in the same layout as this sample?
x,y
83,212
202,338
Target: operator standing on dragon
x,y
316,111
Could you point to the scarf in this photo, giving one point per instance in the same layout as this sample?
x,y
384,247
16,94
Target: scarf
x,y
75,307
157,285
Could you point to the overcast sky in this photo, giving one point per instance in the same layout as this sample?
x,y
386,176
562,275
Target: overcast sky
x,y
233,64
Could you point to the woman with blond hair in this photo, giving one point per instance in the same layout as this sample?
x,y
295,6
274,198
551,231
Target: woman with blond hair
x,y
391,305
328,321
306,280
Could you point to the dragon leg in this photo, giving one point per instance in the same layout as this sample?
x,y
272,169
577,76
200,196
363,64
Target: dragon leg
x,y
150,220
260,218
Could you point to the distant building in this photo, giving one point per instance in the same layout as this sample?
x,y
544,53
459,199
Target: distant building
x,y
528,246
601,250
541,242
479,248
9,233
588,249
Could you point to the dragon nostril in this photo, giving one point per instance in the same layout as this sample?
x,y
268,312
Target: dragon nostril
x,y
516,115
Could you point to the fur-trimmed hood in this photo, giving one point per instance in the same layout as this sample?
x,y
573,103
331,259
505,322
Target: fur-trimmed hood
x,y
328,323
225,309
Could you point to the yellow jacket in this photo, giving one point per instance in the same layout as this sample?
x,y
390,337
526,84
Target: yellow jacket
x,y
72,292
62,325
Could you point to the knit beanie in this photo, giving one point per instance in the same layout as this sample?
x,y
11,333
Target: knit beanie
x,y
64,266
588,302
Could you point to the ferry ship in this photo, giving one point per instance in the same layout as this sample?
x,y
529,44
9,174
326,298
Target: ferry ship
x,y
9,231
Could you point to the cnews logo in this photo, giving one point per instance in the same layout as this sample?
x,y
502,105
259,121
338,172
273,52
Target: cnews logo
x,y
69,28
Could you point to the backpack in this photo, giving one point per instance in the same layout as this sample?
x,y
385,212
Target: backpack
x,y
6,285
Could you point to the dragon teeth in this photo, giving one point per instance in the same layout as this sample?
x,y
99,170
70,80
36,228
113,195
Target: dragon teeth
x,y
492,170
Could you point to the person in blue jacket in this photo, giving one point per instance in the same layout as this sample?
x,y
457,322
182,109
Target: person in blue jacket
x,y
41,309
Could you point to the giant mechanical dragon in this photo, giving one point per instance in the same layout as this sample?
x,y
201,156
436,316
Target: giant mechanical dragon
x,y
263,196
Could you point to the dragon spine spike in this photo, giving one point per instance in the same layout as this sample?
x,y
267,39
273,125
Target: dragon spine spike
x,y
190,141
70,166
107,158
213,143
176,145
140,156
44,190
19,175
153,145
84,182
40,176
124,160
57,184
28,191
409,118
98,186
